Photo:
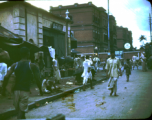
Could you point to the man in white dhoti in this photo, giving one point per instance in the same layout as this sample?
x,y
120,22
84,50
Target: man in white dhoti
x,y
56,70
87,75
96,61
112,66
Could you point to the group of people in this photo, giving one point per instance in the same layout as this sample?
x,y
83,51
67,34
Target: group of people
x,y
17,78
85,68
52,81
24,72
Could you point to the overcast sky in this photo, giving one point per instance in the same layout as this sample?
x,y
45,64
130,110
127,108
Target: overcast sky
x,y
133,14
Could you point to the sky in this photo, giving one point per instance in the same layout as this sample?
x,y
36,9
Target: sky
x,y
133,14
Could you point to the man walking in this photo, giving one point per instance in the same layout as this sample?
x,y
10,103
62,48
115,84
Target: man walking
x,y
24,72
96,61
135,63
128,68
112,66
87,75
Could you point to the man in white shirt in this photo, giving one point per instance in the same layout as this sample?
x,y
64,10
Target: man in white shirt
x,y
56,70
87,75
90,58
135,63
112,66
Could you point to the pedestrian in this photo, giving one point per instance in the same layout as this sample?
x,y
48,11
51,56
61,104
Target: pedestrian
x,y
87,75
41,64
131,63
96,60
144,63
78,69
4,56
10,84
127,67
76,62
3,72
112,66
47,85
24,71
56,70
149,62
90,58
135,63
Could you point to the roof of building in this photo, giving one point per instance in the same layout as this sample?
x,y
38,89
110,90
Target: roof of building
x,y
10,4
78,6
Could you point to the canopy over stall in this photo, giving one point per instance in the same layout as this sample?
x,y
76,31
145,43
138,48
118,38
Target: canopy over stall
x,y
12,43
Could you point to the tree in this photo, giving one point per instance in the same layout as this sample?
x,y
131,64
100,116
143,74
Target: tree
x,y
142,37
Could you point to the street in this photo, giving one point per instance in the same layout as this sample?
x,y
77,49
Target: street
x,y
134,101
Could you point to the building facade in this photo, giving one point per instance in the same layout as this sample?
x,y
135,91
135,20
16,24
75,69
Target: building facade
x,y
89,26
30,22
113,32
123,36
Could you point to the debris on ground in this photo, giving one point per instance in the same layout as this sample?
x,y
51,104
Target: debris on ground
x,y
46,103
101,103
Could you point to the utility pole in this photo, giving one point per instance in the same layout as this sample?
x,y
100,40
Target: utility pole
x,y
108,30
150,26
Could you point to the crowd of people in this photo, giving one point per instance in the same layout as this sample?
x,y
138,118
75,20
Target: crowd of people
x,y
85,69
17,78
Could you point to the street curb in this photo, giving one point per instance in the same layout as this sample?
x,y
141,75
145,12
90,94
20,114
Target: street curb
x,y
41,102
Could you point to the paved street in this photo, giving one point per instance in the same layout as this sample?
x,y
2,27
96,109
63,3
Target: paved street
x,y
134,101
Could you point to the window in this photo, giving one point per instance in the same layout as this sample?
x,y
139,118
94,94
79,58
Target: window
x,y
93,33
105,38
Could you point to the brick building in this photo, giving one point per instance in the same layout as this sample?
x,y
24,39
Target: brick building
x,y
89,26
113,32
123,36
30,22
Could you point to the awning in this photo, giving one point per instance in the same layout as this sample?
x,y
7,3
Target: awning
x,y
12,44
8,38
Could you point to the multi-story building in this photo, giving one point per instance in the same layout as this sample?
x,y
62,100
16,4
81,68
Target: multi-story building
x,y
44,28
123,36
90,24
113,32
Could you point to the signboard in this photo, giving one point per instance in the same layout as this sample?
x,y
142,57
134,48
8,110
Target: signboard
x,y
127,46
